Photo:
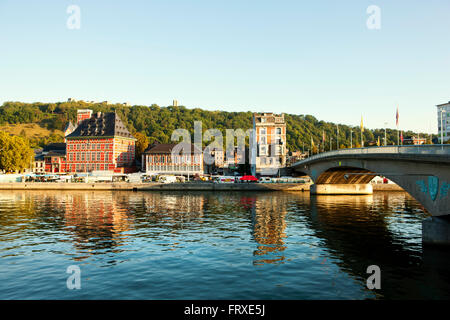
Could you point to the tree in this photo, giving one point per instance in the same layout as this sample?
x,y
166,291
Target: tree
x,y
142,143
15,153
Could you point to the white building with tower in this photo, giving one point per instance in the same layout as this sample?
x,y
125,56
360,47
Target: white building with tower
x,y
270,141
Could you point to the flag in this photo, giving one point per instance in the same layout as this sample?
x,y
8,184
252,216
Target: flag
x,y
396,118
312,142
378,143
362,125
323,136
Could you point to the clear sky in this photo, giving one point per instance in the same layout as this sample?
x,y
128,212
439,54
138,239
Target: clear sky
x,y
301,57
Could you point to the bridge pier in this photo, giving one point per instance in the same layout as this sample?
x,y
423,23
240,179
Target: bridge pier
x,y
436,230
341,189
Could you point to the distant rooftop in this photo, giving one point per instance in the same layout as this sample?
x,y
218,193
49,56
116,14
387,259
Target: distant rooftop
x,y
444,104
55,146
166,148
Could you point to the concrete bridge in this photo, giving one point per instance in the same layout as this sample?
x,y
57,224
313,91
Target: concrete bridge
x,y
422,171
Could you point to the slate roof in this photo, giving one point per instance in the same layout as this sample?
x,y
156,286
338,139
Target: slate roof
x,y
56,146
166,148
101,125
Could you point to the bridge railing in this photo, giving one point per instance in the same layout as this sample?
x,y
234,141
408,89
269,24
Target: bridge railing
x,y
434,149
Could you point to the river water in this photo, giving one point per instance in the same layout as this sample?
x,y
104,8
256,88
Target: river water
x,y
215,245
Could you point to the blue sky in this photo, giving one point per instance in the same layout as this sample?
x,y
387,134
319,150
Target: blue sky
x,y
300,57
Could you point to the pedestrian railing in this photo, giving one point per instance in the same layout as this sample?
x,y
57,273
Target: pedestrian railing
x,y
410,149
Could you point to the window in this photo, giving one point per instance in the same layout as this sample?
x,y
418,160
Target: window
x,y
278,130
263,130
263,150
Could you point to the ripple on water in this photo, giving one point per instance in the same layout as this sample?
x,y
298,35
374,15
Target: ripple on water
x,y
195,245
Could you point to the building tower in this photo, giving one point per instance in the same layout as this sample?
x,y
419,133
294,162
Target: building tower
x,y
270,133
83,114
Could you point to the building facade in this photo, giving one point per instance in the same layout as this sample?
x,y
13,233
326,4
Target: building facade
x,y
100,143
270,133
293,157
160,159
217,165
443,117
38,164
55,162
415,140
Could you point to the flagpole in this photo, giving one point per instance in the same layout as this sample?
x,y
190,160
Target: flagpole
x,y
362,129
337,137
398,131
351,136
362,142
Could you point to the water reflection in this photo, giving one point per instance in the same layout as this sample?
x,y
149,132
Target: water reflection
x,y
269,224
329,238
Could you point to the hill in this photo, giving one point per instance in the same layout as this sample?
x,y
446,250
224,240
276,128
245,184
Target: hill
x,y
158,123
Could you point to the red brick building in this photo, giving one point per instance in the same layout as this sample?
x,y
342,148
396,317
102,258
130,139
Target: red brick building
x,y
100,143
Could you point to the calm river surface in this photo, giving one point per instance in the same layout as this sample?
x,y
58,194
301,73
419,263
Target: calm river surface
x,y
213,245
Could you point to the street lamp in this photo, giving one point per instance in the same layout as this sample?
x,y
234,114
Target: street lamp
x,y
337,137
351,137
442,126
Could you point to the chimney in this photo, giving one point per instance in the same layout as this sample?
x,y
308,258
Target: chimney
x,y
83,114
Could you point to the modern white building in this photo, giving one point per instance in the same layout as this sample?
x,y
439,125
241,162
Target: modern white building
x,y
443,115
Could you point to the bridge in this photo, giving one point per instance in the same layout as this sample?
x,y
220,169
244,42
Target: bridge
x,y
423,171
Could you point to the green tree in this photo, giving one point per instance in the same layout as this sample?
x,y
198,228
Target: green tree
x,y
141,144
15,153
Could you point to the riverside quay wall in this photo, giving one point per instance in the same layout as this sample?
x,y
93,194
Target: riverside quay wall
x,y
155,186
173,186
